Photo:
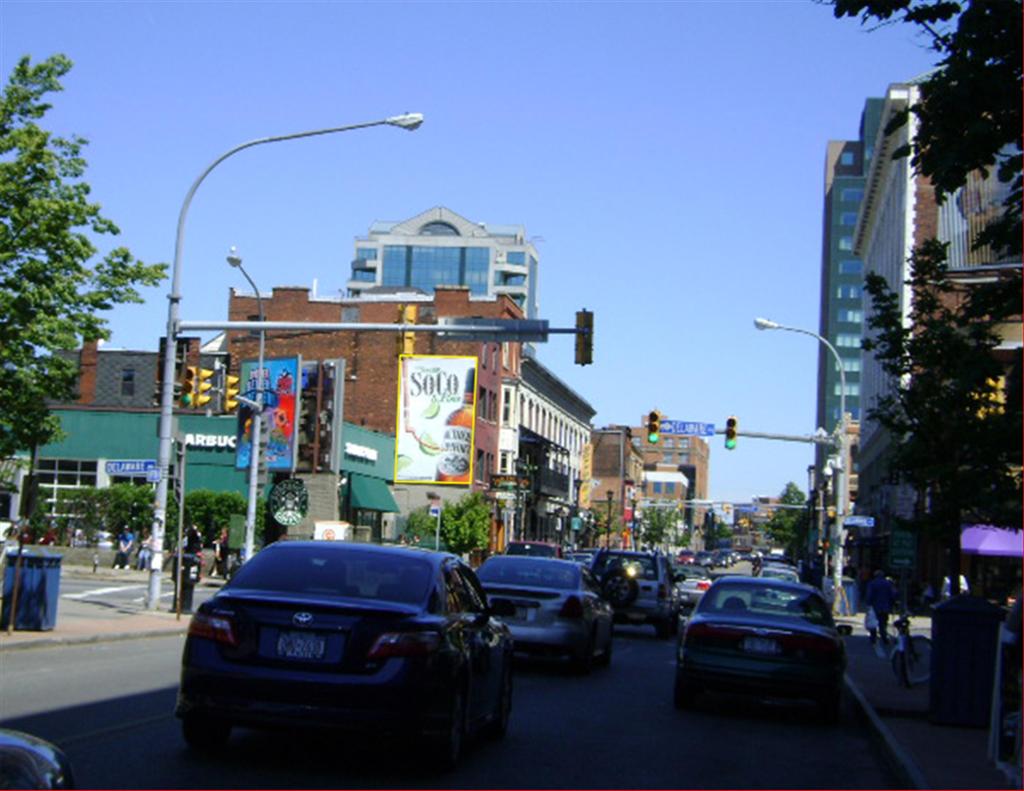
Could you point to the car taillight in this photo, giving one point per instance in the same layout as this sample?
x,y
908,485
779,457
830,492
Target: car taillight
x,y
404,644
213,626
573,608
703,585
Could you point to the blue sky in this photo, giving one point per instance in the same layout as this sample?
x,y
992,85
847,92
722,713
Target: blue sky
x,y
669,156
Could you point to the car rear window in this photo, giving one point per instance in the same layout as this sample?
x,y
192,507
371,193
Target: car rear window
x,y
537,574
613,561
335,572
767,600
536,550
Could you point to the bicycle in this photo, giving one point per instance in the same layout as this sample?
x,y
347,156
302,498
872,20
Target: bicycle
x,y
912,655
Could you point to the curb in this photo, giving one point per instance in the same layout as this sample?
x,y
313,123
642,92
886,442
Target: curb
x,y
906,769
50,642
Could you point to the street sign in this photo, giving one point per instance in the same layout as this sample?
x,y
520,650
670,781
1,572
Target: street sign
x,y
688,427
902,549
435,511
138,467
859,521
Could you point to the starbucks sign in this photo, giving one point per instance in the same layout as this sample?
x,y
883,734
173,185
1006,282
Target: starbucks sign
x,y
289,502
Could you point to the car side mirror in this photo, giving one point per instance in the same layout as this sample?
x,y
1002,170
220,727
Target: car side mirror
x,y
502,607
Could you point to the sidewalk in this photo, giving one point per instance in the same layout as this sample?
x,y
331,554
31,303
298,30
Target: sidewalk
x,y
923,755
87,621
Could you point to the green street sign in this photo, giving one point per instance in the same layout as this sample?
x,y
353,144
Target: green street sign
x,y
902,549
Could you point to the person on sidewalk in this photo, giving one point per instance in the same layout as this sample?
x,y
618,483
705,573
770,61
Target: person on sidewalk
x,y
880,596
125,542
145,552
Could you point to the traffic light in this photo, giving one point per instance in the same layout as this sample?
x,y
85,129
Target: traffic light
x,y
653,427
230,393
407,340
584,337
188,386
200,395
730,432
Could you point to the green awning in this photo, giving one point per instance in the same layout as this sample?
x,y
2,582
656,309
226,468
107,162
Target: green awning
x,y
371,494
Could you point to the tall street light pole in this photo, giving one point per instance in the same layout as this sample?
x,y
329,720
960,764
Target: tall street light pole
x,y
407,121
256,427
840,470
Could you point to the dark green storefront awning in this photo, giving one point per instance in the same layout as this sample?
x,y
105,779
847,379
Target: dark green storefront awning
x,y
371,494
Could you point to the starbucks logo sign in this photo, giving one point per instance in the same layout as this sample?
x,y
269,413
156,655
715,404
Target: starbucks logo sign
x,y
289,502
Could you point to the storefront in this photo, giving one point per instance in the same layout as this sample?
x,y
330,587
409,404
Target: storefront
x,y
102,448
993,557
365,499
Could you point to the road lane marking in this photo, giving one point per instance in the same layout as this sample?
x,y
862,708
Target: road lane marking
x,y
101,591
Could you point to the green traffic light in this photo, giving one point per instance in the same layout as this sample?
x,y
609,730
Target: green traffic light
x,y
730,444
652,438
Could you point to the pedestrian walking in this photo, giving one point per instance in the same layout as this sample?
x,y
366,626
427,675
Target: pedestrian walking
x,y
880,596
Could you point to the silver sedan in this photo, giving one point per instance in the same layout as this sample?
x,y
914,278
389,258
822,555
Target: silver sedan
x,y
558,608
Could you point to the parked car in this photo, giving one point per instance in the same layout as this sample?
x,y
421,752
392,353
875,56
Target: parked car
x,y
640,587
537,549
778,571
692,583
354,637
557,608
761,636
27,761
686,556
721,558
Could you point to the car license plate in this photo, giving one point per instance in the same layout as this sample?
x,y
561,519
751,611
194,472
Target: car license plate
x,y
300,645
760,645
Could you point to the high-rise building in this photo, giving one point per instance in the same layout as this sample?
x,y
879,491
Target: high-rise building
x,y
442,248
842,274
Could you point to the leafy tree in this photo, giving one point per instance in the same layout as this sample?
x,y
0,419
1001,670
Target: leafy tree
x,y
955,442
787,526
659,526
466,524
50,296
420,525
211,512
969,115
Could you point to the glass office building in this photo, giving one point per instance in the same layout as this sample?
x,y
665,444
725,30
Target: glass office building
x,y
442,248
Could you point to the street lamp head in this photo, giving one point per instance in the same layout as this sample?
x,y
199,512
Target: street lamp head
x,y
407,121
234,259
766,324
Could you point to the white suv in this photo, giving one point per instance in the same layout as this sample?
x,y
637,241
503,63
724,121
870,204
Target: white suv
x,y
640,586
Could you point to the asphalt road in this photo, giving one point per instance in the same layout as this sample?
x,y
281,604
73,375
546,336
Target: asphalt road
x,y
110,706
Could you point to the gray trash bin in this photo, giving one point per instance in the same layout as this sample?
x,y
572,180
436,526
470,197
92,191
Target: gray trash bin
x,y
965,634
38,589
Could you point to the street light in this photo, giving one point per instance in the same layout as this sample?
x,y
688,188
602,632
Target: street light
x,y
840,468
407,121
255,433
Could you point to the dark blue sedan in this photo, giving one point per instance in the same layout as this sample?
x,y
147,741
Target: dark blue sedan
x,y
348,636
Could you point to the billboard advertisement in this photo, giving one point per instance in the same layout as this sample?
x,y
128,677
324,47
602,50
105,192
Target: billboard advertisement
x,y
435,427
280,413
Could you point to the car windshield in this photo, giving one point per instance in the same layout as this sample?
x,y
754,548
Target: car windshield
x,y
780,574
767,600
536,550
329,571
533,573
643,565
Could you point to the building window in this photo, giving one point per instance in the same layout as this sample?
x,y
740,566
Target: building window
x,y
670,487
366,253
846,243
848,218
684,443
848,292
477,266
395,268
847,158
851,366
506,407
515,257
364,276
350,315
657,487
848,340
668,458
438,228
128,382
851,194
851,266
851,316
57,476
852,389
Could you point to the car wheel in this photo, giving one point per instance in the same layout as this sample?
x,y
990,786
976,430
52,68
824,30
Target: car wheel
x,y
829,707
205,733
684,693
606,656
498,726
448,747
620,590
583,663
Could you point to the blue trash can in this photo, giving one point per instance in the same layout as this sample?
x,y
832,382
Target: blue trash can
x,y
38,589
965,635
